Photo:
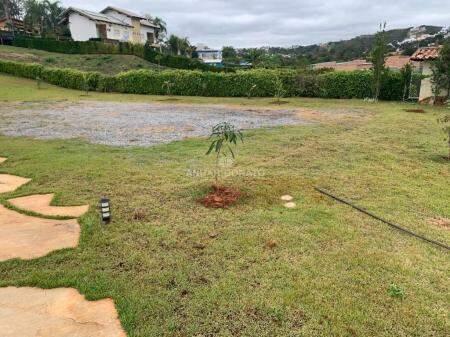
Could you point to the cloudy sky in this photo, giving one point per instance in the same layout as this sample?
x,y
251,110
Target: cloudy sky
x,y
255,23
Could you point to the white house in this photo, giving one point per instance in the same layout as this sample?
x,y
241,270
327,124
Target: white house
x,y
209,56
112,23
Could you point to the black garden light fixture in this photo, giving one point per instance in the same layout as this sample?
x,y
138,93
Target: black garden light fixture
x,y
105,209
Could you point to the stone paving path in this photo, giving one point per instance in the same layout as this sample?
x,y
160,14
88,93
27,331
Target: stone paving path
x,y
62,312
34,312
27,237
9,183
40,204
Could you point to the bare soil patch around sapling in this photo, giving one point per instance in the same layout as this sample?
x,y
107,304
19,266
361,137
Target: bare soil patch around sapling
x,y
221,197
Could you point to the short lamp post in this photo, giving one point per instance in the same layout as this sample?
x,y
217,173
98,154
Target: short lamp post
x,y
105,210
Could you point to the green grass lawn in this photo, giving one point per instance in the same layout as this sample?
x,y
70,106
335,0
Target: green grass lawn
x,y
331,268
108,64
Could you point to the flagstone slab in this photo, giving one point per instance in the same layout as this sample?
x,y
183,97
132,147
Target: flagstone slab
x,y
40,203
9,183
61,312
27,237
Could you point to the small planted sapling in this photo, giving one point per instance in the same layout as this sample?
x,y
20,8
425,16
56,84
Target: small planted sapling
x,y
251,90
86,84
395,290
279,91
224,137
168,85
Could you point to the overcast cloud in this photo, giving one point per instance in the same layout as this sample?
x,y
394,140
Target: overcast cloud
x,y
255,23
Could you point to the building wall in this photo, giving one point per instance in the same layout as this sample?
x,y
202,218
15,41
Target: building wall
x,y
144,31
132,34
426,87
210,55
118,32
81,28
136,36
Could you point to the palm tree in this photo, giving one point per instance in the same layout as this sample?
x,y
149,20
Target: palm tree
x,y
162,27
161,24
173,42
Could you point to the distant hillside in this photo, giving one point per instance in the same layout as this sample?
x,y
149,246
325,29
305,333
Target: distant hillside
x,y
405,40
107,64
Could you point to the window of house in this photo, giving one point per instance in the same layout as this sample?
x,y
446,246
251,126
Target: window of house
x,y
151,38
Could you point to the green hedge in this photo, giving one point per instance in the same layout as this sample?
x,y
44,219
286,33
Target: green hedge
x,y
356,84
124,48
76,47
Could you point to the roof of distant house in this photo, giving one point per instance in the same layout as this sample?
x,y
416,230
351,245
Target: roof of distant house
x,y
396,61
95,16
426,54
358,64
2,19
123,11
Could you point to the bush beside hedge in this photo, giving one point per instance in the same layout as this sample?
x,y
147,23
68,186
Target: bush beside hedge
x,y
356,84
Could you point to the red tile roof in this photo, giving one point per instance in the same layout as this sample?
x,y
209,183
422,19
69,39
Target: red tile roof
x,y
426,54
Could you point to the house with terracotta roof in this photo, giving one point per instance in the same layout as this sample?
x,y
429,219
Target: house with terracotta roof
x,y
111,24
425,57
6,24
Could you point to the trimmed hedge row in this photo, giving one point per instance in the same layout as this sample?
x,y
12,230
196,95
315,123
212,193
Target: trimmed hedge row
x,y
356,84
95,47
78,47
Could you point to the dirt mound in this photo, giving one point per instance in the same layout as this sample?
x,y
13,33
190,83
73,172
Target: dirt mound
x,y
440,222
221,197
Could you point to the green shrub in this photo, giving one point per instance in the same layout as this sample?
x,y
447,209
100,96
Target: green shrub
x,y
26,70
261,82
50,59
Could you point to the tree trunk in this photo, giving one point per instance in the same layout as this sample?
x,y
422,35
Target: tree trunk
x,y
6,5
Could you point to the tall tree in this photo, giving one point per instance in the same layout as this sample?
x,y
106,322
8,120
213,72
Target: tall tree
x,y
42,15
379,53
180,46
441,72
162,26
11,10
253,55
229,54
173,44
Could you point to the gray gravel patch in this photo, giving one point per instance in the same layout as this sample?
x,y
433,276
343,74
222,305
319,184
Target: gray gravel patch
x,y
132,124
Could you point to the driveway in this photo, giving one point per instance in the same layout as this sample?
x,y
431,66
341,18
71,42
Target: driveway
x,y
132,124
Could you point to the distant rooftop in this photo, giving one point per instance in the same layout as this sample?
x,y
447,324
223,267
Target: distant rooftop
x,y
95,16
109,18
426,54
123,11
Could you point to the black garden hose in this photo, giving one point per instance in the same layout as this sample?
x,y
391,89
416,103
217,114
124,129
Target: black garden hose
x,y
404,230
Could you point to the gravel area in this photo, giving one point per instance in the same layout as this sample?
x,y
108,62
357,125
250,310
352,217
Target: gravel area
x,y
131,124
